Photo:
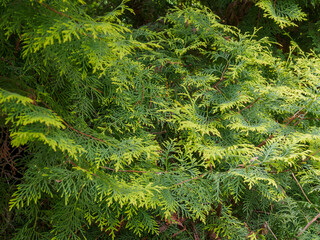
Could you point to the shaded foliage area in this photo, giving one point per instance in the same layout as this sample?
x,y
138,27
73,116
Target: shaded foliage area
x,y
118,124
282,21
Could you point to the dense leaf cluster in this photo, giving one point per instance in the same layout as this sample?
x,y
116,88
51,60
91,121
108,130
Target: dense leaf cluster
x,y
185,128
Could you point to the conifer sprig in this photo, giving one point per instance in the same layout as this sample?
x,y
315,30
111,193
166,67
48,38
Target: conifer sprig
x,y
160,131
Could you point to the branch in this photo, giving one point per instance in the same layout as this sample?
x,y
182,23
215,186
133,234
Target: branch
x,y
188,180
69,161
265,141
312,155
305,195
293,117
218,90
271,230
305,228
159,132
72,128
289,120
195,233
178,63
174,235
67,16
133,171
221,78
250,105
301,118
139,102
53,10
85,134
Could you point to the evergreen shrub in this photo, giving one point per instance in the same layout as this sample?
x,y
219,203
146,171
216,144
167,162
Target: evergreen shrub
x,y
185,128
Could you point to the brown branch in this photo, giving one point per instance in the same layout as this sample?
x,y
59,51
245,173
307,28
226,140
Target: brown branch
x,y
53,10
139,102
288,122
301,118
312,155
221,78
82,133
150,102
159,132
184,228
75,165
188,180
257,211
271,230
286,170
293,117
218,90
177,63
17,48
195,233
265,141
142,94
250,105
72,128
305,228
211,168
132,171
305,195
65,15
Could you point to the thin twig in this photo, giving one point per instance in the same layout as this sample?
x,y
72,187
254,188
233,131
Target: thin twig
x,y
262,212
312,155
301,118
72,128
133,171
111,169
53,10
142,94
294,116
195,233
139,102
184,228
250,105
65,15
159,132
271,230
305,195
188,180
305,228
211,167
82,133
218,90
221,78
265,141
75,165
289,120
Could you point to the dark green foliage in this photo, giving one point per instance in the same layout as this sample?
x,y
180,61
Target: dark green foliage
x,y
184,128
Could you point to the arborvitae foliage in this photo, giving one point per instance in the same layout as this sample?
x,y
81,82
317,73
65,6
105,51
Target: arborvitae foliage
x,y
185,128
282,21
